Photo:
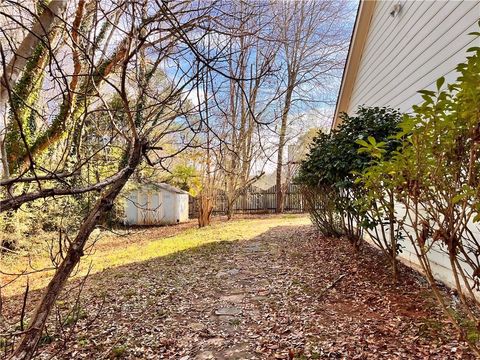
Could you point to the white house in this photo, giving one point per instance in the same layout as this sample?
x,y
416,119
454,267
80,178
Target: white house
x,y
398,48
156,204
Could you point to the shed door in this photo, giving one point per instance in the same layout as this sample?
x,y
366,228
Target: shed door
x,y
168,207
156,207
149,208
142,206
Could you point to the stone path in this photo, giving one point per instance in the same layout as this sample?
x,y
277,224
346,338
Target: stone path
x,y
240,288
260,299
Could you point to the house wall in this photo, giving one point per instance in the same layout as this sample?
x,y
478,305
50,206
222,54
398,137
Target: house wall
x,y
437,254
408,52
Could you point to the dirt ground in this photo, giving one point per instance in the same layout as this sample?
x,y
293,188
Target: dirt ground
x,y
286,294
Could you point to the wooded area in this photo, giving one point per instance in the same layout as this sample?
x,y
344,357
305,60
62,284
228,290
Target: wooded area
x,y
97,96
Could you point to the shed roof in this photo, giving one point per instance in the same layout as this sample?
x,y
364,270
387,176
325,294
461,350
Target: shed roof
x,y
164,186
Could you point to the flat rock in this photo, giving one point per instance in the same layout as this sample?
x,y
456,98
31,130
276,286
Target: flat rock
x,y
228,311
253,247
262,283
197,326
233,298
205,355
239,352
216,341
231,272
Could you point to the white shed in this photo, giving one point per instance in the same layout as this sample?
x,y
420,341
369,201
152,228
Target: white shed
x,y
156,204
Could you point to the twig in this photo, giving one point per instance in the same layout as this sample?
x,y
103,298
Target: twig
x,y
24,306
332,285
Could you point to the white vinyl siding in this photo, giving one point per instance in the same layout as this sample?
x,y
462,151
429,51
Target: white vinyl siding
x,y
408,52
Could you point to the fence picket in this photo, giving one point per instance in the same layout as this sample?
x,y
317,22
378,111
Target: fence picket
x,y
254,200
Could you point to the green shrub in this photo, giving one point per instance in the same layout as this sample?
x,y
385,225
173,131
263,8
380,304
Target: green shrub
x,y
434,174
330,170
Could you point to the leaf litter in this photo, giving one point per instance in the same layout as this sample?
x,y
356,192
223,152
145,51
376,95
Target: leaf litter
x,y
286,294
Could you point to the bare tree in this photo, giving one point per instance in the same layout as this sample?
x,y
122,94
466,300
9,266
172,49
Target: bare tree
x,y
314,41
243,100
113,89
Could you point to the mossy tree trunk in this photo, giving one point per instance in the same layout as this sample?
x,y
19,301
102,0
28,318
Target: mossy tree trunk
x,y
28,343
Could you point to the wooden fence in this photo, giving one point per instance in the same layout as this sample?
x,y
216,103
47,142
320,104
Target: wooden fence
x,y
255,201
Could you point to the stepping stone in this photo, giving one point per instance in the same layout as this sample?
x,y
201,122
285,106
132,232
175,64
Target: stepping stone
x,y
216,341
242,355
231,272
228,311
234,298
236,292
254,247
261,284
239,352
197,326
205,355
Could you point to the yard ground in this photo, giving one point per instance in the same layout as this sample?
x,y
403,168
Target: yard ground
x,y
266,288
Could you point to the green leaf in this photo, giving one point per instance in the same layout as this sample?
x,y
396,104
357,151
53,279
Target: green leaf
x,y
457,198
362,143
427,92
428,99
473,49
440,82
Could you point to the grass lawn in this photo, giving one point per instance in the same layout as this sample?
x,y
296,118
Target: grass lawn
x,y
107,252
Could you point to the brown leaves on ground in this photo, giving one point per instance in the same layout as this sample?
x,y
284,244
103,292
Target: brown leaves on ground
x,y
287,294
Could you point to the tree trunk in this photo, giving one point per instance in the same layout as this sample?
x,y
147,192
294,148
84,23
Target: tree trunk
x,y
42,26
204,211
281,146
29,342
393,239
230,211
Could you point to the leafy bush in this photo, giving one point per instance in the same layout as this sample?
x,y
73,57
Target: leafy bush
x,y
334,158
320,203
330,170
435,175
